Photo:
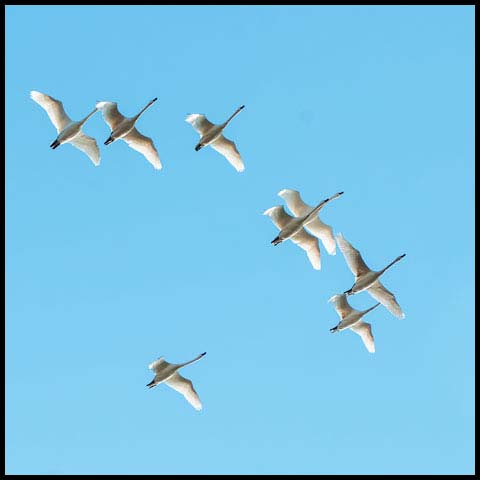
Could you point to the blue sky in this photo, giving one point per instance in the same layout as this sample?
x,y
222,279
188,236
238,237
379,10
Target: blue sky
x,y
110,267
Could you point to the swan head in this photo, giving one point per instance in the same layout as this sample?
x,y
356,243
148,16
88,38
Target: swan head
x,y
277,240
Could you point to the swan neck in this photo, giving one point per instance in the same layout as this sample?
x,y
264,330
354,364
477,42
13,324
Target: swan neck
x,y
371,308
149,104
88,116
390,264
192,361
236,112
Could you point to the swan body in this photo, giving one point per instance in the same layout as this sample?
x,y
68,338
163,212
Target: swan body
x,y
69,131
351,318
366,279
211,134
292,228
299,208
124,128
166,372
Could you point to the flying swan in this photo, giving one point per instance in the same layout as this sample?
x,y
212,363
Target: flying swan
x,y
211,134
366,279
167,372
299,208
124,128
291,228
68,130
350,318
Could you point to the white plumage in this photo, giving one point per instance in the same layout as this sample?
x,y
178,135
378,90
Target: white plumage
x,y
124,128
167,372
351,318
366,279
211,134
69,131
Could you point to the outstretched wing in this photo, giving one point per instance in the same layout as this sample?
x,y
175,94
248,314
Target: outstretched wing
x,y
279,216
325,233
185,387
364,329
386,298
342,306
144,145
228,149
310,244
110,113
158,365
294,202
199,122
87,145
299,208
352,256
54,109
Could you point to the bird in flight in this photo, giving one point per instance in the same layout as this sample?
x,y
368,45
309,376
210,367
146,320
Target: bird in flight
x,y
351,318
292,228
211,134
124,128
366,279
69,131
168,373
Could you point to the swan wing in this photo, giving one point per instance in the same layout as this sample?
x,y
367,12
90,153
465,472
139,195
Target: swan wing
x,y
158,365
342,306
325,233
199,122
110,114
294,202
352,257
386,298
229,150
279,216
144,145
87,145
185,387
310,244
54,109
364,329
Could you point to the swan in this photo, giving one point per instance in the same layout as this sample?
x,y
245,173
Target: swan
x,y
68,130
168,373
124,128
211,134
291,228
321,230
366,279
350,318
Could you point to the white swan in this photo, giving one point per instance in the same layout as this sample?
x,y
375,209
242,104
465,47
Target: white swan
x,y
366,279
68,130
167,372
211,134
291,228
299,208
124,128
350,318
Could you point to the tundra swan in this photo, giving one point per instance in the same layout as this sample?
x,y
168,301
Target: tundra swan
x,y
292,228
124,128
167,372
211,134
366,279
299,208
68,130
350,318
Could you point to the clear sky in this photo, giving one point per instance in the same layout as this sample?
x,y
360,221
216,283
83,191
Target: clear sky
x,y
110,267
